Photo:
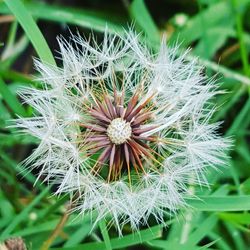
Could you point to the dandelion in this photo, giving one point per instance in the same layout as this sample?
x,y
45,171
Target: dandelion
x,y
125,128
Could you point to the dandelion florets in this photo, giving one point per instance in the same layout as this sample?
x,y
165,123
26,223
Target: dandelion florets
x,y
127,129
119,131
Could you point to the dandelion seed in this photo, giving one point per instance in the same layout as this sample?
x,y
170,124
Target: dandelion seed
x,y
123,127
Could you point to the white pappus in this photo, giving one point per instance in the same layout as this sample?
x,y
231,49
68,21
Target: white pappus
x,y
125,128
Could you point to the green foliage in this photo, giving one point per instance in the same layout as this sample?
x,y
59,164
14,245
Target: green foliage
x,y
34,34
218,32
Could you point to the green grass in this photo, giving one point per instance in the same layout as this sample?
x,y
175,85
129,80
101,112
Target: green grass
x,y
32,31
218,32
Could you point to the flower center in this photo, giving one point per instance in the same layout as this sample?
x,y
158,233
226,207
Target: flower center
x,y
119,131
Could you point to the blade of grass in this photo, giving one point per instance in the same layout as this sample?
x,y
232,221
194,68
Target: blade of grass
x,y
10,41
140,13
20,170
220,242
49,225
49,210
221,203
125,241
234,97
16,76
23,215
31,29
205,226
7,210
240,122
4,115
20,45
193,227
217,15
14,138
210,43
243,151
78,235
236,236
240,218
240,33
105,235
204,42
11,99
83,18
222,70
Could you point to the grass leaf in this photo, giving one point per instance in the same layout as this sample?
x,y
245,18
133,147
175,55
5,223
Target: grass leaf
x,y
221,203
11,99
31,29
142,17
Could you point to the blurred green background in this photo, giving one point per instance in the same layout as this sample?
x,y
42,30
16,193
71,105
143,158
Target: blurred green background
x,y
218,33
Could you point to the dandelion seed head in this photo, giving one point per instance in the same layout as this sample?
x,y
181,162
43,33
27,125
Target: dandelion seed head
x,y
127,129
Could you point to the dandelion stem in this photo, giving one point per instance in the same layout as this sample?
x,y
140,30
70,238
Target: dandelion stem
x,y
57,229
